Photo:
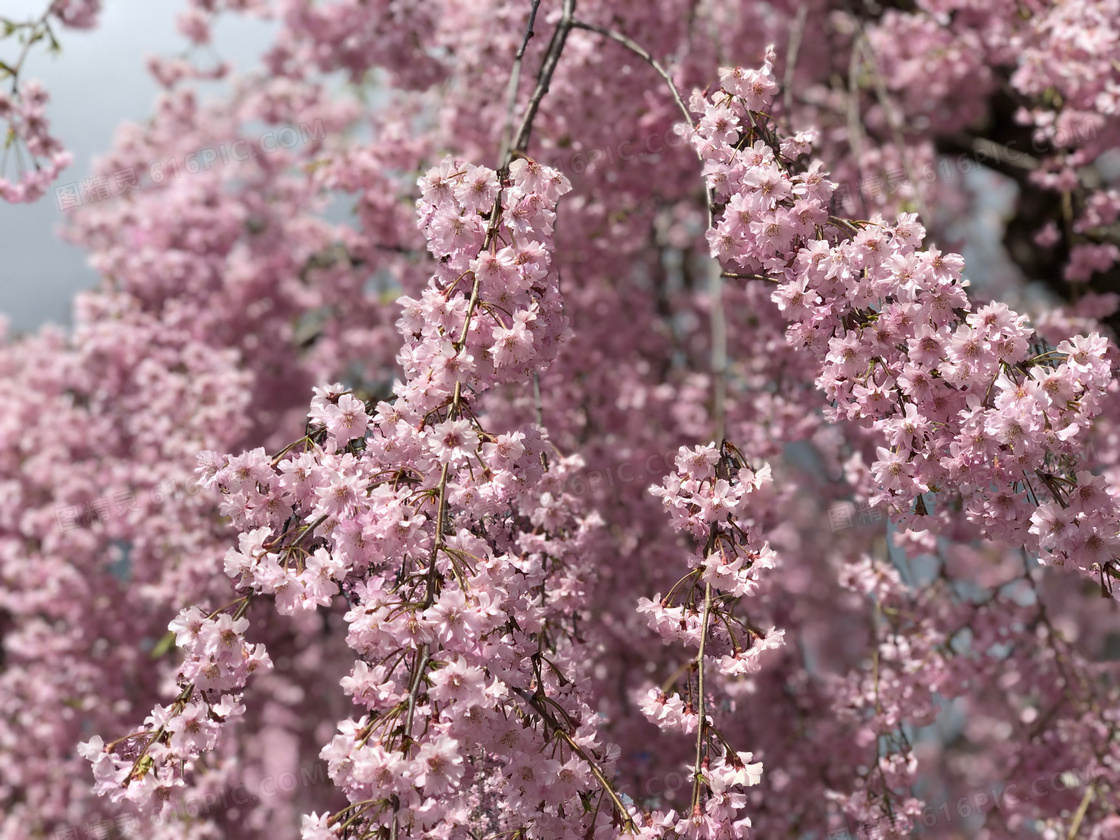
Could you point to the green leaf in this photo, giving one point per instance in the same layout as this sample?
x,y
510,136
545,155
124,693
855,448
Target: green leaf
x,y
164,645
142,767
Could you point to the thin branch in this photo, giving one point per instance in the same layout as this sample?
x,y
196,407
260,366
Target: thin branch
x,y
505,156
1081,810
38,28
414,689
544,79
538,406
1001,153
534,703
627,820
420,663
514,80
701,725
736,276
719,349
642,53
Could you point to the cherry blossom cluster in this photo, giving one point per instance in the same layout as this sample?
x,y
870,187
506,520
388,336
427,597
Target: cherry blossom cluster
x,y
78,14
32,156
967,402
29,148
154,370
707,499
145,766
456,549
920,665
883,704
353,37
1059,92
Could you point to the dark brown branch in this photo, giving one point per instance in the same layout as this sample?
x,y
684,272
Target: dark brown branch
x,y
544,79
514,81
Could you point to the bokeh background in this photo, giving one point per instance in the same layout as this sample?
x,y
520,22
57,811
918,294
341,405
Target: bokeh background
x,y
97,82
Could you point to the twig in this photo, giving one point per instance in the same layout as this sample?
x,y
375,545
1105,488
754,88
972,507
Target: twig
x,y
627,820
38,28
700,726
600,777
544,79
1002,153
414,689
736,276
514,80
505,156
719,349
642,53
1081,810
537,404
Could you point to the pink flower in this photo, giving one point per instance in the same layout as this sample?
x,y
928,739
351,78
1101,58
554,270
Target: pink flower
x,y
513,345
894,472
439,765
453,440
755,87
317,827
346,419
458,683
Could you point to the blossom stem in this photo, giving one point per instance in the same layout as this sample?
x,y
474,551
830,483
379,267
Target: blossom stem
x,y
719,350
608,788
701,725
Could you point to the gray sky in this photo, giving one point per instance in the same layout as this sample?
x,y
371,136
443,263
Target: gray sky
x,y
97,82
